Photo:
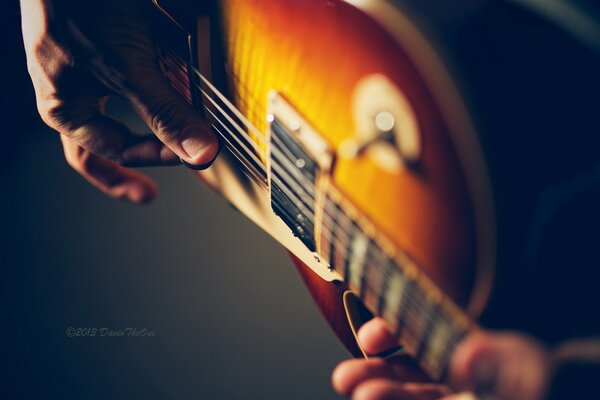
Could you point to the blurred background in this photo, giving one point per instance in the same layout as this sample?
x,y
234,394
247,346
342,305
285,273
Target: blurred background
x,y
231,316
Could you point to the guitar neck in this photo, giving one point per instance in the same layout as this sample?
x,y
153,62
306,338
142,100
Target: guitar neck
x,y
391,286
295,175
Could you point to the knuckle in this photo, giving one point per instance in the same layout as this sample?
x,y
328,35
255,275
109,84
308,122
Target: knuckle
x,y
53,112
61,116
66,116
95,146
166,120
52,57
46,48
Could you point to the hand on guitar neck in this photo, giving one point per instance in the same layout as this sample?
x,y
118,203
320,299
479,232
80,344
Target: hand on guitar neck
x,y
80,52
501,366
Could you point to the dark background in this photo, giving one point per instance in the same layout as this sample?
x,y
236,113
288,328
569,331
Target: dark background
x,y
231,316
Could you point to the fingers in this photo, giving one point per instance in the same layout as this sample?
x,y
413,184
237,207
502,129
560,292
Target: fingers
x,y
509,366
381,379
350,373
375,337
82,121
114,180
68,101
385,389
96,146
396,377
129,67
170,117
66,71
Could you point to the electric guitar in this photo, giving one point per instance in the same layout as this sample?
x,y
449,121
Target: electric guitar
x,y
347,138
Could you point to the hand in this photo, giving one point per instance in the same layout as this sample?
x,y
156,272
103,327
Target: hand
x,y
506,366
80,52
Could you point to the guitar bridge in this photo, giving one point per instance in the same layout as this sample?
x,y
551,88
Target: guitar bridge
x,y
298,156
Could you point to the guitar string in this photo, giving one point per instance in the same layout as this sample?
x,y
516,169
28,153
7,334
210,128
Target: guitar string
x,y
245,135
368,283
224,99
250,170
251,175
257,133
245,161
327,230
259,164
254,145
251,163
420,323
416,325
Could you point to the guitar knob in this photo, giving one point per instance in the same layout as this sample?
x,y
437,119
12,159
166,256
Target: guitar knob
x,y
386,126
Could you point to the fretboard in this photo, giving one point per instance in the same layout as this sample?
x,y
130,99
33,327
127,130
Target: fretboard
x,y
427,323
391,286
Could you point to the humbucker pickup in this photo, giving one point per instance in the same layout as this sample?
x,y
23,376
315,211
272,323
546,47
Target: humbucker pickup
x,y
297,157
292,168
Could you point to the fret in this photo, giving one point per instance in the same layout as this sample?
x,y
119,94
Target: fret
x,y
442,361
381,303
356,265
332,247
347,246
438,342
374,279
431,315
348,229
391,287
328,231
295,171
367,266
339,247
409,317
394,297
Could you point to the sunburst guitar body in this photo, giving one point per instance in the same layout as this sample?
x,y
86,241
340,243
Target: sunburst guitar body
x,y
345,138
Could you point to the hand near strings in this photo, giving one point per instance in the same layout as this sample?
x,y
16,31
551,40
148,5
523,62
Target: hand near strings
x,y
501,366
78,53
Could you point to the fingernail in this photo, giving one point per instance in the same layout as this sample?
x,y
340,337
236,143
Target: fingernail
x,y
195,141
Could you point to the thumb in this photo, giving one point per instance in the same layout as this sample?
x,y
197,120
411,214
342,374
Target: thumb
x,y
505,366
122,56
172,119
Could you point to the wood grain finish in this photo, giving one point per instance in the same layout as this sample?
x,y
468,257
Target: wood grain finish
x,y
315,52
330,301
